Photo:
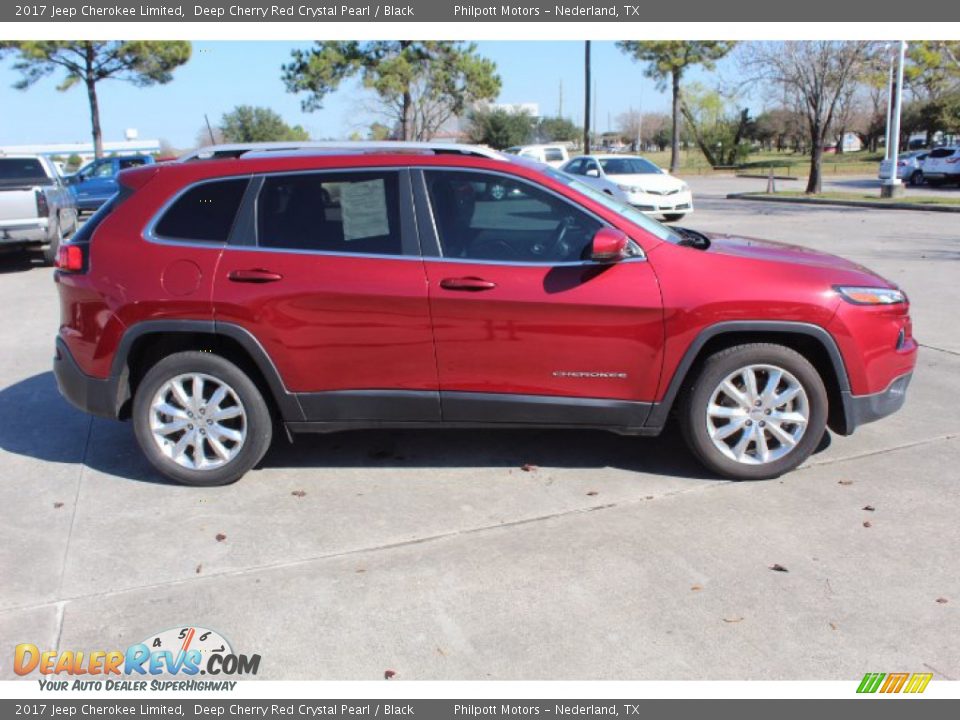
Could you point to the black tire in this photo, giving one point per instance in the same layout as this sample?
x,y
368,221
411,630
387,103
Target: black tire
x,y
51,250
916,178
699,393
673,217
259,423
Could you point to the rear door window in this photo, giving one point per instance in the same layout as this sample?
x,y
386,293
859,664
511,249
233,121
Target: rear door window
x,y
338,212
204,213
553,155
942,152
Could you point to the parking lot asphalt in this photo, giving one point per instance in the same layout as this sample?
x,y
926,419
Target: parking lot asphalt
x,y
435,555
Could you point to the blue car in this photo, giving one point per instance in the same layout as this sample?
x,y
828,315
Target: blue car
x,y
96,182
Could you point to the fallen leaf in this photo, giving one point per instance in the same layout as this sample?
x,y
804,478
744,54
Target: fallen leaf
x,y
696,588
867,523
649,497
869,508
733,620
57,505
844,482
199,568
833,626
360,570
387,674
221,537
298,493
441,652
777,567
528,467
592,493
380,454
942,600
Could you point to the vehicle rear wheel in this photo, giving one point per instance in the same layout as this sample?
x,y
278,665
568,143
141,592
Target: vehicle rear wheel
x,y
754,411
200,420
673,217
916,178
51,250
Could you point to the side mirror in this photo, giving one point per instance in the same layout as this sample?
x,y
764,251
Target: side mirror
x,y
609,245
593,172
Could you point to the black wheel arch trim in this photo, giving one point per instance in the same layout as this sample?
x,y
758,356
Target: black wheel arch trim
x,y
661,410
287,402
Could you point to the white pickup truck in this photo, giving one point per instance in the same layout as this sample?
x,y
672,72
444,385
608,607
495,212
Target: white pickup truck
x,y
36,208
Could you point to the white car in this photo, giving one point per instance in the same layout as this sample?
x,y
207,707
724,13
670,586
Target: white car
x,y
552,155
648,188
942,166
909,167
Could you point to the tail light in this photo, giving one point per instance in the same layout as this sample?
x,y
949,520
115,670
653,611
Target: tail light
x,y
43,209
71,258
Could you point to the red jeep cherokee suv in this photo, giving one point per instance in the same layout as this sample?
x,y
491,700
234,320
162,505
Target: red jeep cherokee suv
x,y
383,285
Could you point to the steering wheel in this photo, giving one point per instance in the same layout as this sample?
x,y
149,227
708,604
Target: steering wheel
x,y
553,250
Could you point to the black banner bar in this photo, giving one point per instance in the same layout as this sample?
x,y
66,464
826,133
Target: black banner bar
x,y
873,708
830,11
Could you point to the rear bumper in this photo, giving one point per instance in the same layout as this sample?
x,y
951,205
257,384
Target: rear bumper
x,y
863,409
16,232
96,396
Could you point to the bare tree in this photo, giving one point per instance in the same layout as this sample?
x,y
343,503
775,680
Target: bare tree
x,y
816,73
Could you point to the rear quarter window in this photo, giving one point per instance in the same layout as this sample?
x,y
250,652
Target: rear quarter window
x,y
203,213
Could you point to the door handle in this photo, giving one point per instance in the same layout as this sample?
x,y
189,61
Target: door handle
x,y
256,275
470,284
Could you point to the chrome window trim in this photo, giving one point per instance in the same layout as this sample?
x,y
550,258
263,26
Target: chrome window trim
x,y
642,255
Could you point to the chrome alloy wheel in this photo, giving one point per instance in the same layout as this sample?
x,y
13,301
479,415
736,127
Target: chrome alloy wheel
x,y
757,414
198,421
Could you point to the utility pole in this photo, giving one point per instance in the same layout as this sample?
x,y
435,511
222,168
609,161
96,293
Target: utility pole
x,y
893,187
586,98
213,140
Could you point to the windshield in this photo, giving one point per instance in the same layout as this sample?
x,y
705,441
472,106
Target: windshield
x,y
628,166
611,203
14,171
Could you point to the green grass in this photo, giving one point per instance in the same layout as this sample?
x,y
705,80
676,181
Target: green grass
x,y
783,163
874,198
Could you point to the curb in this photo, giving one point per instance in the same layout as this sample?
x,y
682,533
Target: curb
x,y
845,203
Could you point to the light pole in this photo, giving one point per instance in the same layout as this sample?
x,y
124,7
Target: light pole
x,y
886,137
892,187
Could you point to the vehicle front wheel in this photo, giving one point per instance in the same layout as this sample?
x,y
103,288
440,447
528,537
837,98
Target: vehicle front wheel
x,y
200,419
754,411
673,217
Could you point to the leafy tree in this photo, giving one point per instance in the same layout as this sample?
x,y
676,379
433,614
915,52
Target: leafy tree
x,y
816,74
500,128
933,68
379,131
720,131
558,129
140,62
667,61
246,123
420,85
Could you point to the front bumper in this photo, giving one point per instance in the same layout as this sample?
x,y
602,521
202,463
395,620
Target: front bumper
x,y
863,409
97,396
680,203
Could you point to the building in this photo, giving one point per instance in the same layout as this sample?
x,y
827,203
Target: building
x,y
83,149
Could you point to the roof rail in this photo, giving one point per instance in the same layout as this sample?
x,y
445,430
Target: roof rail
x,y
239,150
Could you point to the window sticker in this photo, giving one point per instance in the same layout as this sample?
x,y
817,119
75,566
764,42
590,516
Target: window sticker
x,y
363,206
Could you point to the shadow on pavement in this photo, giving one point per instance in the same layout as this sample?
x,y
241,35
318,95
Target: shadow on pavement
x,y
12,261
36,422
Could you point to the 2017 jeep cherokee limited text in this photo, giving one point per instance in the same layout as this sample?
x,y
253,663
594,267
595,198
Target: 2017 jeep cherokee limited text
x,y
318,288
